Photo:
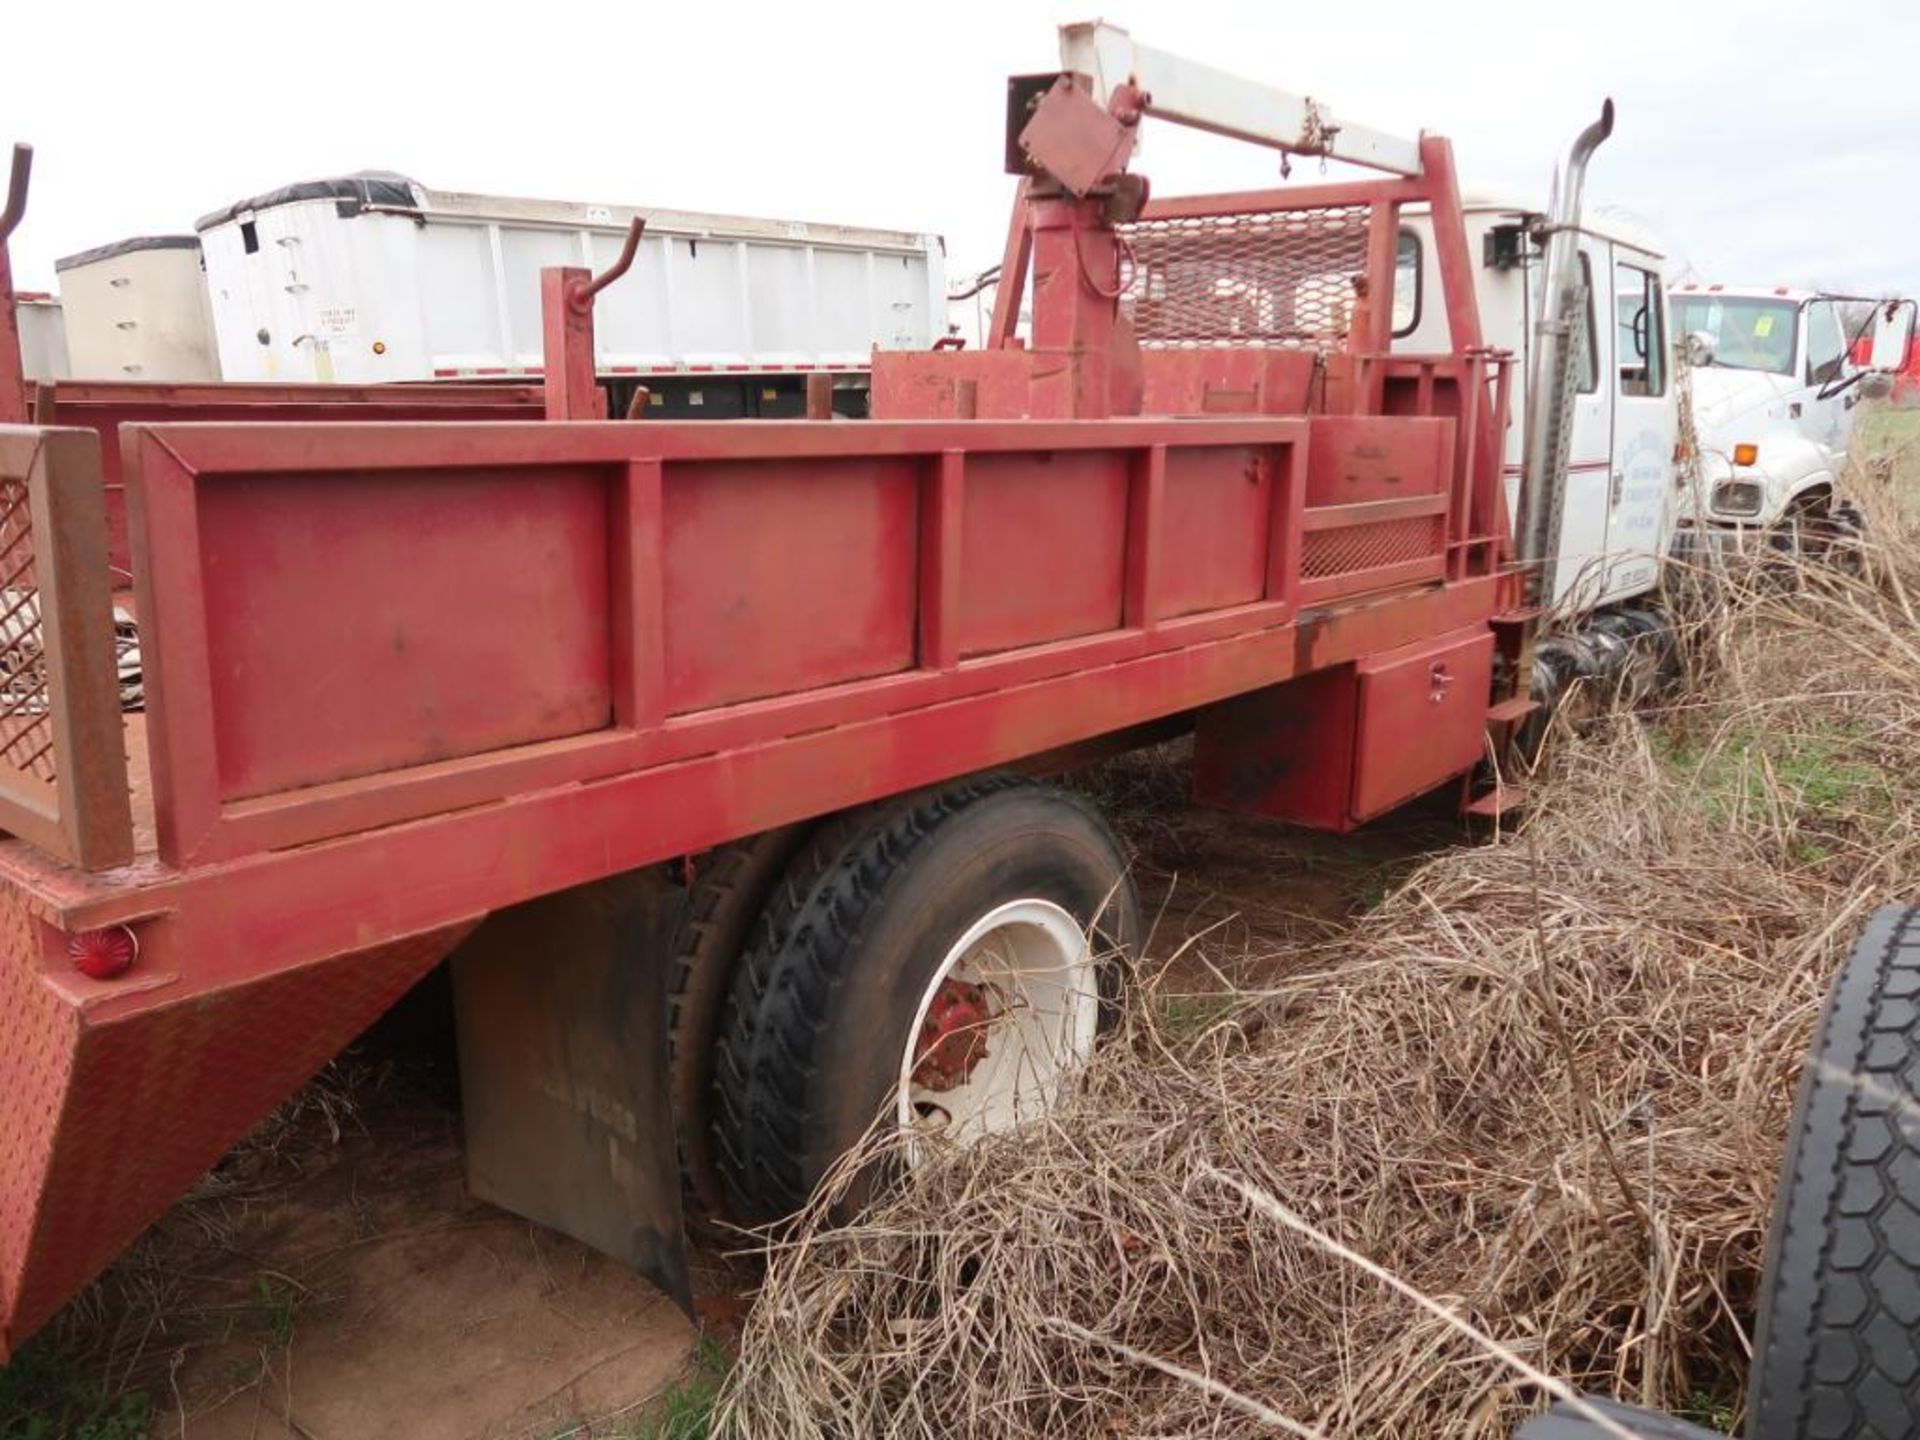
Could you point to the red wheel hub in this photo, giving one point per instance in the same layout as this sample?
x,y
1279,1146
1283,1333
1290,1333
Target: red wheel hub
x,y
953,1037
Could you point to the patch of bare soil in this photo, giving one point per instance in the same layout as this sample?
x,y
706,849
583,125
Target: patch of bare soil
x,y
333,1280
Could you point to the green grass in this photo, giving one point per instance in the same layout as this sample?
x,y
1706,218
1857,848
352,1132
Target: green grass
x,y
1182,1016
46,1394
1820,776
1885,427
53,1389
273,1304
1891,437
1715,1413
685,1410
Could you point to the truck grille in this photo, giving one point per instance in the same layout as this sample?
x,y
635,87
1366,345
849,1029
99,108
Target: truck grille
x,y
1280,278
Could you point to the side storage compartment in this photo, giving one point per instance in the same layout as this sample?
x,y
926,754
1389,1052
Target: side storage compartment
x,y
1423,717
1337,747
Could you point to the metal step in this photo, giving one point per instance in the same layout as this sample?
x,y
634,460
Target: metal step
x,y
1511,711
1507,796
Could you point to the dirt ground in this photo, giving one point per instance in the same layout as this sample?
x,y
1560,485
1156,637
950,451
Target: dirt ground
x,y
333,1280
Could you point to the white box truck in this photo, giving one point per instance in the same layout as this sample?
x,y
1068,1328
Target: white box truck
x,y
373,277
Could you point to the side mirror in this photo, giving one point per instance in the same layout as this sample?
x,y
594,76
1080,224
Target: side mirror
x,y
1876,385
1701,348
1892,334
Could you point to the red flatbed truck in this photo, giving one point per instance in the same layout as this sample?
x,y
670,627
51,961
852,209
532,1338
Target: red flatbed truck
x,y
717,734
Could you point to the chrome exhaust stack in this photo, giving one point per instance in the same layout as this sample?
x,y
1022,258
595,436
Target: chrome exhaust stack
x,y
1552,381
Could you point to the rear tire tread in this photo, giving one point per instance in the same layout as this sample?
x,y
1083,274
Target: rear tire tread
x,y
784,987
728,892
1833,1353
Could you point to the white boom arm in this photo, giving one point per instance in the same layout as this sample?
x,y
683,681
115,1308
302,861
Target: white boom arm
x,y
1209,99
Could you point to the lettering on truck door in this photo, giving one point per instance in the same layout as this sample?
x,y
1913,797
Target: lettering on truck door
x,y
1644,427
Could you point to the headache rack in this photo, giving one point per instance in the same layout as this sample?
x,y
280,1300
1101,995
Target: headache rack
x,y
1288,278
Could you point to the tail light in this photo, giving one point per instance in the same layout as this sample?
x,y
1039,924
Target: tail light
x,y
104,954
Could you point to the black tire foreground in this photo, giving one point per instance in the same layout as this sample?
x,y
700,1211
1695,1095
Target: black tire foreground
x,y
809,1046
1837,1347
1836,1351
1563,1422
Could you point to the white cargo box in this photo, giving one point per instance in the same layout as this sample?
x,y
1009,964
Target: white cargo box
x,y
43,337
137,310
374,277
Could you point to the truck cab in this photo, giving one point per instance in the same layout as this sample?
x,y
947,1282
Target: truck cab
x,y
1776,389
1619,489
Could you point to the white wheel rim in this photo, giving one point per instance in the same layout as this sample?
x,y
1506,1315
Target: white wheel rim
x,y
1033,965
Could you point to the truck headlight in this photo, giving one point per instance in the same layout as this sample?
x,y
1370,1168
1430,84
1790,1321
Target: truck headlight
x,y
1737,497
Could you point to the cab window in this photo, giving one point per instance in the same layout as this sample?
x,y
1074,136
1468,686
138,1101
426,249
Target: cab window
x,y
1407,285
1826,349
1589,334
1748,333
1640,340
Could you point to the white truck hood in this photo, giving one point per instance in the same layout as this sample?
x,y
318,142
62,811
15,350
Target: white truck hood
x,y
1726,399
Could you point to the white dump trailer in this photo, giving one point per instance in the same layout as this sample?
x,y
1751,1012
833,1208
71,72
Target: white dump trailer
x,y
137,310
376,278
43,337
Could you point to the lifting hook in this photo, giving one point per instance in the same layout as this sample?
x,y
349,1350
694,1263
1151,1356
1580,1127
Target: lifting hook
x,y
580,294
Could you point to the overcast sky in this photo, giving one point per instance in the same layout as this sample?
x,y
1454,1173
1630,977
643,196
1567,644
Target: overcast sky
x,y
1767,142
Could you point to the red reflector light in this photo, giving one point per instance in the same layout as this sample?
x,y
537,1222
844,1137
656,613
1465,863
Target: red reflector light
x,y
104,954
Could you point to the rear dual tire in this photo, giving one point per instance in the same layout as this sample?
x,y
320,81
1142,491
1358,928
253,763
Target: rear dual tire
x,y
940,962
727,891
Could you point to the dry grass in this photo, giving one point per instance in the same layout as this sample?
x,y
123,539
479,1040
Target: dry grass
x,y
1545,1084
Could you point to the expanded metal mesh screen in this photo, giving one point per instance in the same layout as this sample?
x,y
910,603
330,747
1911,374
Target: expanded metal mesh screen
x,y
1325,553
26,716
1281,278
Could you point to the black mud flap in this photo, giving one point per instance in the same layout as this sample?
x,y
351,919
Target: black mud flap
x,y
561,1006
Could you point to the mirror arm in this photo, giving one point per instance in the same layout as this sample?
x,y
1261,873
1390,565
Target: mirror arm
x,y
1840,383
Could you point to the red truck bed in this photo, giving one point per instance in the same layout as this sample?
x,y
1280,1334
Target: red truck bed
x,y
400,676
537,655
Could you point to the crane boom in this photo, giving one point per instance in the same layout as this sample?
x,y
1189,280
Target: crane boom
x,y
1207,98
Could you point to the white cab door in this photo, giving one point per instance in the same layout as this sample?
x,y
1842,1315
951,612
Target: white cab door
x,y
1580,576
1824,419
1645,426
